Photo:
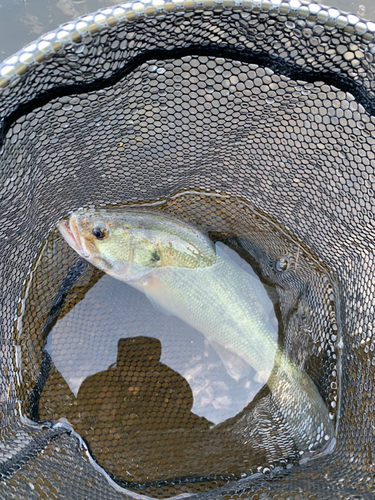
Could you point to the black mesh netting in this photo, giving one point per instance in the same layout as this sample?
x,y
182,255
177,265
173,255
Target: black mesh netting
x,y
268,103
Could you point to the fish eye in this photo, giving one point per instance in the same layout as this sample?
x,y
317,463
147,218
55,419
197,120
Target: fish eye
x,y
100,233
155,257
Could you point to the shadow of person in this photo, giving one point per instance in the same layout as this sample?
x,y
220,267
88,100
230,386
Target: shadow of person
x,y
136,415
137,421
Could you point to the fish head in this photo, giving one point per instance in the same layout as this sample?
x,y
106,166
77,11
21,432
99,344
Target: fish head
x,y
130,245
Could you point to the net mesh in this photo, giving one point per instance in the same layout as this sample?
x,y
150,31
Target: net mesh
x,y
268,103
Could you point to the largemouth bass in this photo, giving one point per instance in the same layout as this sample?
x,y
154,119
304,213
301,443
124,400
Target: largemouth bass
x,y
183,274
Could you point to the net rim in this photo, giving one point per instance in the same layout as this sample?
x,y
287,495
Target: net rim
x,y
87,27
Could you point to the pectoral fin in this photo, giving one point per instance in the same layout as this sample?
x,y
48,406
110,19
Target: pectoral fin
x,y
159,294
156,304
235,366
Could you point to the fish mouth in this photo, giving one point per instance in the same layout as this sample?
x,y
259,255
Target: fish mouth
x,y
69,230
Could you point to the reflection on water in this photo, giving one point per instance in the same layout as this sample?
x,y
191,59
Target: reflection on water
x,y
150,396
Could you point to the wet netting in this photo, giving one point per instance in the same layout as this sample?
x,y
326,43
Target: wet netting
x,y
251,115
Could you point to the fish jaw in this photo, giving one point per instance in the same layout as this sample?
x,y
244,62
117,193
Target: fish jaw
x,y
69,231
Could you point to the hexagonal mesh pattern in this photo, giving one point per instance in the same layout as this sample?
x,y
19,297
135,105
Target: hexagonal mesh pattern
x,y
136,415
271,103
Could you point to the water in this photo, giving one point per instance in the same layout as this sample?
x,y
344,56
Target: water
x,y
148,393
73,346
23,21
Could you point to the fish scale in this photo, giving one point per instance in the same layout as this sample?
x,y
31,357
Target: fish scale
x,y
221,301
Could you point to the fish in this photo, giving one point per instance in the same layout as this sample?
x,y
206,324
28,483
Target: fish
x,y
183,273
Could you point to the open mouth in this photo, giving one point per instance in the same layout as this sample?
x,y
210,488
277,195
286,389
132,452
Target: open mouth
x,y
69,231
